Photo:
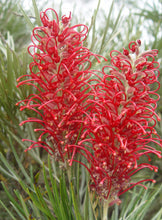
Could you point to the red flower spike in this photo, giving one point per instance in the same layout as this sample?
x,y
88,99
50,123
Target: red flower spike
x,y
122,122
61,84
113,129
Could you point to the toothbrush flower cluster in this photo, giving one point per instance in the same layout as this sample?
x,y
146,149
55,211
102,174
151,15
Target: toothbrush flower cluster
x,y
60,72
122,121
108,116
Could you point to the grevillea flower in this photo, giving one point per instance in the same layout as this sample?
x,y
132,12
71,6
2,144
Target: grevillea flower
x,y
60,72
122,122
110,120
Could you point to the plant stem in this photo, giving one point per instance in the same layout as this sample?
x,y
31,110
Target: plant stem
x,y
105,209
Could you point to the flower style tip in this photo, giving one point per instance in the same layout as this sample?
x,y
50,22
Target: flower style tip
x,y
66,20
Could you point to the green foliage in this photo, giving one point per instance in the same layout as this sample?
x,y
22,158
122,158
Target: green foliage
x,y
12,66
103,39
137,203
55,199
13,23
